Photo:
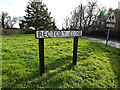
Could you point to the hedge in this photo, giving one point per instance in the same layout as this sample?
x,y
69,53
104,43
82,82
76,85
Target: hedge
x,y
16,31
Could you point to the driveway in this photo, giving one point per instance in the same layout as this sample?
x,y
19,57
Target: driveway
x,y
114,43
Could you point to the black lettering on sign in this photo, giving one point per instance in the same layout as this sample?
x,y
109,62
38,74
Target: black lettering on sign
x,y
74,33
48,34
70,33
56,34
79,33
53,34
40,34
64,32
44,34
59,33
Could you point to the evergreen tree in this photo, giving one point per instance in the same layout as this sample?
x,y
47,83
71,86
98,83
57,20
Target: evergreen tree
x,y
37,15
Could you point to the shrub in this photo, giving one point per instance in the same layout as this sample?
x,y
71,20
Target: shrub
x,y
28,31
16,31
10,31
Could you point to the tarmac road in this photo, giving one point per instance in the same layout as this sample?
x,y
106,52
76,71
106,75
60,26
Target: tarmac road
x,y
111,42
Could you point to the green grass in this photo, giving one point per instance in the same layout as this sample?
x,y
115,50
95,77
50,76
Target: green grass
x,y
97,66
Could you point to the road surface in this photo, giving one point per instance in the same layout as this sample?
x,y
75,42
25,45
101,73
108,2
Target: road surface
x,y
114,43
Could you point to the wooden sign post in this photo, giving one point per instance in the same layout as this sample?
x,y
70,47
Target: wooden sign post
x,y
75,46
41,56
41,34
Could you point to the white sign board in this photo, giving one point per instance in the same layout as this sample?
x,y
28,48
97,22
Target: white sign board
x,y
55,34
111,18
119,5
110,25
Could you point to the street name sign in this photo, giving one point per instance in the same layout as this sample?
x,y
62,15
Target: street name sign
x,y
111,18
56,34
41,34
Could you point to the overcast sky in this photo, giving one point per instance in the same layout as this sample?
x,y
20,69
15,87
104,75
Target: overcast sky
x,y
59,8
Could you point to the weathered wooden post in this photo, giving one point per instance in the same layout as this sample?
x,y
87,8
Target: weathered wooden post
x,y
75,50
41,56
75,46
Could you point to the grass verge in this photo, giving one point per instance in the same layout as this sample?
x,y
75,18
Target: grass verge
x,y
97,66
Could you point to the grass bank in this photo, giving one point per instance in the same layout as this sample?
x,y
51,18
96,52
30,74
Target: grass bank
x,y
97,66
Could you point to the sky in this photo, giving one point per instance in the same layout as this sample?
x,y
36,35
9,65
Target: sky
x,y
59,8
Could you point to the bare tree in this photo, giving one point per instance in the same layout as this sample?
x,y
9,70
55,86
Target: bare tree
x,y
13,22
10,22
90,13
85,16
7,21
66,20
75,21
3,16
21,24
76,17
